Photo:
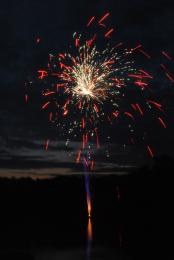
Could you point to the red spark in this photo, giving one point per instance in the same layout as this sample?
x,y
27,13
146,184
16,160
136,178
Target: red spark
x,y
65,112
59,85
91,41
47,145
165,54
50,116
90,21
55,74
136,76
103,18
118,45
108,62
136,48
115,114
145,53
163,66
129,115
109,33
158,105
140,76
74,61
96,108
50,57
167,73
146,74
86,162
92,165
162,122
77,42
80,105
150,151
97,138
49,93
84,141
169,76
141,84
62,55
86,138
83,123
46,105
26,98
42,74
134,106
118,82
62,65
140,110
102,25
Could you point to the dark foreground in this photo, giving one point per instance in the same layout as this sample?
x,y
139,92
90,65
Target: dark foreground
x,y
131,218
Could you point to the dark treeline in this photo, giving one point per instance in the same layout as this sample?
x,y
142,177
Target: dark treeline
x,y
132,212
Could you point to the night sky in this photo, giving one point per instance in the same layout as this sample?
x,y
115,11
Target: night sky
x,y
23,126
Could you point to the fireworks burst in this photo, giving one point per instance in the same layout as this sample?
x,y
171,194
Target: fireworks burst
x,y
87,89
84,88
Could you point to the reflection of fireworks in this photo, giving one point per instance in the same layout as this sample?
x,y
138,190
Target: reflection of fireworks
x,y
83,89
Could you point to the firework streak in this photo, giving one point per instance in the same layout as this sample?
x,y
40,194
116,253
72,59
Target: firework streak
x,y
85,88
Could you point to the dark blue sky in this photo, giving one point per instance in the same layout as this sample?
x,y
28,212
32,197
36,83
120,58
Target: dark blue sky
x,y
23,130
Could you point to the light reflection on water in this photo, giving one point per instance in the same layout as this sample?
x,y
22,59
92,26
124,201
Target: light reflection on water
x,y
89,239
79,254
89,252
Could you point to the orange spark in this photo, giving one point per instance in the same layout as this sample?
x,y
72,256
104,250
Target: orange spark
x,y
89,208
89,230
78,156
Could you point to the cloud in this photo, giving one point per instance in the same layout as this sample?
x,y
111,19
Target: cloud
x,y
24,157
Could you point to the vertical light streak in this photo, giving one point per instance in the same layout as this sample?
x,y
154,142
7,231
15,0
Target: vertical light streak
x,y
89,209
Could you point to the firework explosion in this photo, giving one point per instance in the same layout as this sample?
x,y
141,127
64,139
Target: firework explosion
x,y
84,89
